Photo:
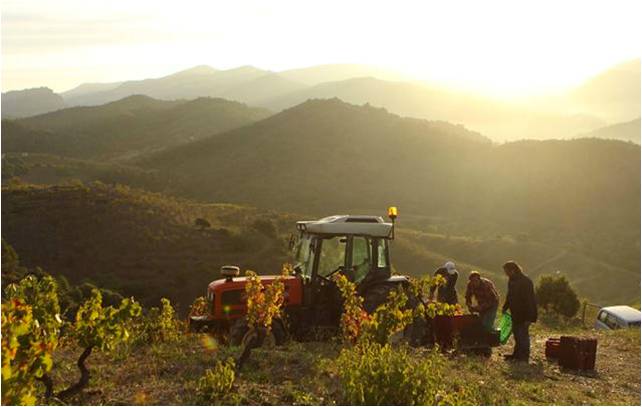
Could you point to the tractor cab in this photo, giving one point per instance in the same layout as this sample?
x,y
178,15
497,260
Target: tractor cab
x,y
356,246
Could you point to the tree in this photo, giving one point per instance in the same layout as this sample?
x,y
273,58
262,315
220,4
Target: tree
x,y
202,224
554,293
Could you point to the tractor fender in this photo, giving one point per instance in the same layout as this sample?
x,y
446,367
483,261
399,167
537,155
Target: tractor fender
x,y
397,280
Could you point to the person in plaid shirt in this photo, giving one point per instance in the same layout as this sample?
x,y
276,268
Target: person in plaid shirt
x,y
486,298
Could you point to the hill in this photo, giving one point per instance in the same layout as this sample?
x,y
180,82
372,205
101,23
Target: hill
x,y
29,102
599,280
45,169
128,127
342,156
613,94
200,81
497,119
328,154
85,89
314,75
627,131
134,242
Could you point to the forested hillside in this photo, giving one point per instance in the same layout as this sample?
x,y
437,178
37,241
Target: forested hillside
x,y
126,128
342,157
134,242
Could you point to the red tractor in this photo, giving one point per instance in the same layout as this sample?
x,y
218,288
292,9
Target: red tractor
x,y
356,246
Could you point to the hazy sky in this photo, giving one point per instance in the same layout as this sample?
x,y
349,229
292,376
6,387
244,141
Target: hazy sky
x,y
502,47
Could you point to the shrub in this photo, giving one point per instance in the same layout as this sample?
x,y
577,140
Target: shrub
x,y
216,383
98,327
389,318
198,307
161,324
264,302
554,293
353,317
30,330
375,374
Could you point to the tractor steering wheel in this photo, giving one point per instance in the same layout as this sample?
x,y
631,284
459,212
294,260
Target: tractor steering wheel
x,y
327,277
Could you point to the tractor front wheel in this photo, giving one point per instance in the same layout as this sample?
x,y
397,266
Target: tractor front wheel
x,y
239,330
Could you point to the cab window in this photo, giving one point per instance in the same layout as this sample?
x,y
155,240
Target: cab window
x,y
332,255
303,251
361,258
382,254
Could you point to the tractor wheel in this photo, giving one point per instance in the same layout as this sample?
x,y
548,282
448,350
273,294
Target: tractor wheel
x,y
415,332
239,329
196,326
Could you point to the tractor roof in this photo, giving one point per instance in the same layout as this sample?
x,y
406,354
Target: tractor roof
x,y
347,225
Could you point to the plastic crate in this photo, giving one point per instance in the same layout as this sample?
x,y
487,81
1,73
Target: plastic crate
x,y
577,353
552,350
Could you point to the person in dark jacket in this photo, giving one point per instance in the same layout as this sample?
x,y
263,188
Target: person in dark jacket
x,y
447,293
521,302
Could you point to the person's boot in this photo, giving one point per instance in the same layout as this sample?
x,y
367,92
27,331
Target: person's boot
x,y
522,359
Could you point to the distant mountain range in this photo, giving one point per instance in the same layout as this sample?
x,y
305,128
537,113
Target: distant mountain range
x,y
29,102
126,128
627,131
611,97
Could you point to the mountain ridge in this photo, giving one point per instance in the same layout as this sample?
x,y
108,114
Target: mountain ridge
x,y
130,126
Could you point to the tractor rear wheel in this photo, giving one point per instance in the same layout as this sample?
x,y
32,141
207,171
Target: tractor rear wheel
x,y
375,296
415,332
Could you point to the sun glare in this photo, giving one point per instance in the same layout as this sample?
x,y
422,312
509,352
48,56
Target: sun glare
x,y
497,47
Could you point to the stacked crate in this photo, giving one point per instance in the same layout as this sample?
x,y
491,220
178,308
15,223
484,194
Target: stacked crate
x,y
572,352
552,350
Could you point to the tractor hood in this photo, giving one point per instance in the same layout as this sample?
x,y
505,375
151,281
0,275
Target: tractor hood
x,y
240,281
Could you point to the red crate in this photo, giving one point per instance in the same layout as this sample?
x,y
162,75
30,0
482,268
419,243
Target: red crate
x,y
552,350
447,328
577,353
